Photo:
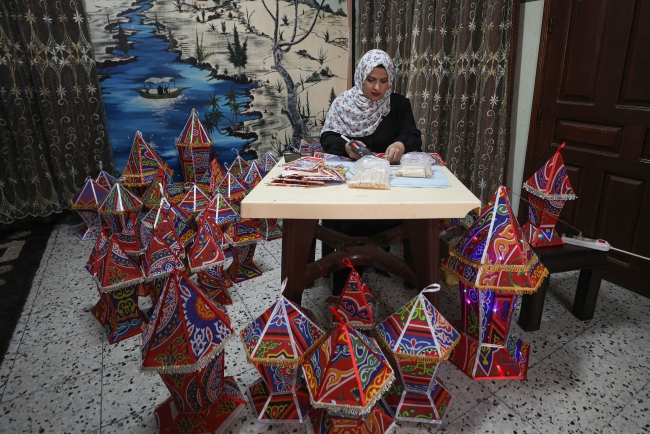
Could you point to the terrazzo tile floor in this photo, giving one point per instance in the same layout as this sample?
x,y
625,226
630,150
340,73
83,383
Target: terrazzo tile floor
x,y
61,374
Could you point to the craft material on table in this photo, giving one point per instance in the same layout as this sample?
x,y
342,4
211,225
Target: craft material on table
x,y
372,173
439,179
308,171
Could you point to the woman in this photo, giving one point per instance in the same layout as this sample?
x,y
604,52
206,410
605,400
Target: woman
x,y
371,114
380,120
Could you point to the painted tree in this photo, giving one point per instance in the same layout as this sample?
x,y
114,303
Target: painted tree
x,y
237,53
122,41
280,47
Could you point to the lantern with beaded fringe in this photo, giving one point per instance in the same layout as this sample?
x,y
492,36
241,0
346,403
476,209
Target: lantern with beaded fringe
x,y
184,342
194,146
357,304
143,164
419,339
548,190
276,343
494,264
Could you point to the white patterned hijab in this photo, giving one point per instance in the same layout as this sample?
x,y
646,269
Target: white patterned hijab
x,y
351,113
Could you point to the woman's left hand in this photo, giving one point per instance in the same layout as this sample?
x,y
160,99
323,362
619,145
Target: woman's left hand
x,y
394,152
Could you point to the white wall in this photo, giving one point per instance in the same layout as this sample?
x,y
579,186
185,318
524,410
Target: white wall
x,y
530,23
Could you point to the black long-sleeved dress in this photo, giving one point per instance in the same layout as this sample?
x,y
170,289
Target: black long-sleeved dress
x,y
397,126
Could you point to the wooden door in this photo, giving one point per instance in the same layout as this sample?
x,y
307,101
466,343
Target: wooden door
x,y
593,91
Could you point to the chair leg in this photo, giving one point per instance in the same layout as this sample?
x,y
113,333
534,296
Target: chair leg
x,y
532,306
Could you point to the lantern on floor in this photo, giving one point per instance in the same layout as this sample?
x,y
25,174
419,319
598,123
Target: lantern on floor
x,y
277,342
212,279
212,177
194,146
161,186
548,190
117,277
239,166
419,339
268,229
204,252
117,206
194,201
105,179
86,202
267,162
184,342
243,238
183,222
253,175
494,264
231,189
135,237
357,304
346,375
143,163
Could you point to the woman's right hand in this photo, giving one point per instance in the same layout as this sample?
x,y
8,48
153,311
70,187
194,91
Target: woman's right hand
x,y
351,152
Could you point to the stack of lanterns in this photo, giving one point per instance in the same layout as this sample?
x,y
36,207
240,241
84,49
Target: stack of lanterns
x,y
494,264
277,343
548,190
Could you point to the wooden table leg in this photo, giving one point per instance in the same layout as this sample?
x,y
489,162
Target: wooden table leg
x,y
297,236
584,303
532,306
424,239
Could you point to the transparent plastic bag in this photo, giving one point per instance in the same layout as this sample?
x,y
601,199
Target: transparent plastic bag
x,y
371,172
415,165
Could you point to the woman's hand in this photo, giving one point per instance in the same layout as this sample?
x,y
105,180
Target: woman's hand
x,y
351,152
394,152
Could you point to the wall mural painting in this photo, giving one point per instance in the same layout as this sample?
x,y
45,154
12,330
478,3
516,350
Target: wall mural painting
x,y
261,73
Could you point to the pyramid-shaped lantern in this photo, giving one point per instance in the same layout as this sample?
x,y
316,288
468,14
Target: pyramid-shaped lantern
x,y
117,277
161,186
212,177
357,304
267,162
184,342
377,421
182,221
159,259
253,175
231,189
105,179
494,264
243,238
135,237
347,375
214,281
548,190
86,202
117,206
204,251
194,201
143,163
221,215
194,146
418,339
239,166
277,343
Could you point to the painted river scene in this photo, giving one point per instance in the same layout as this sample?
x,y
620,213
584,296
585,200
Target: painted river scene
x,y
159,59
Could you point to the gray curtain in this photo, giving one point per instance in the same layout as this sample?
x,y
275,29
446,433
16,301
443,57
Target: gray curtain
x,y
52,122
454,61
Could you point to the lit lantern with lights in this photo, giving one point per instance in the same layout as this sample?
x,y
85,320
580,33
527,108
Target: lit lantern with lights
x,y
548,190
494,264
277,343
194,146
418,339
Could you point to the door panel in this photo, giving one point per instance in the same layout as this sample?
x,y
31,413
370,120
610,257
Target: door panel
x,y
593,92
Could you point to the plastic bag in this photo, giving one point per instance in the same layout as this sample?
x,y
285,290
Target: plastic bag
x,y
415,165
371,173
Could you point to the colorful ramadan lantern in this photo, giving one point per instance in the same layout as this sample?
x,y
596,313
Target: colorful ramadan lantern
x,y
184,342
135,237
268,229
117,277
277,342
239,166
377,421
161,186
357,304
212,177
105,179
86,202
204,252
194,146
267,162
117,206
231,189
194,201
346,375
494,264
213,280
243,238
143,163
548,190
253,175
419,339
